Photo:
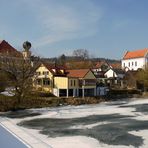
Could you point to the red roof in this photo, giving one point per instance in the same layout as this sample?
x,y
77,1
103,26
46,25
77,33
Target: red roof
x,y
136,54
5,48
78,73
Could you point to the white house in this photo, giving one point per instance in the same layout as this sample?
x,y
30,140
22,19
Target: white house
x,y
114,73
133,60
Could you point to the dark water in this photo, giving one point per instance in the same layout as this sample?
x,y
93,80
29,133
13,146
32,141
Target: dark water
x,y
143,108
20,114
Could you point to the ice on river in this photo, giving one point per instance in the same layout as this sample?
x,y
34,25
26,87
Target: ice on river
x,y
119,124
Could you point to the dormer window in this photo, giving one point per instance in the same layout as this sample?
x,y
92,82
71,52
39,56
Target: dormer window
x,y
45,72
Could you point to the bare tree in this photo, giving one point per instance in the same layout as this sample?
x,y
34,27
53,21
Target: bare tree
x,y
19,73
82,53
3,83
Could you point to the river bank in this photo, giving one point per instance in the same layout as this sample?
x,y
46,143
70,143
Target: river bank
x,y
10,103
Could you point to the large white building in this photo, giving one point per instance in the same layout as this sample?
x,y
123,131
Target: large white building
x,y
134,60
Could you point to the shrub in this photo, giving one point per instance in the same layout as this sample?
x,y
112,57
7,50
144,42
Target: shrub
x,y
2,87
42,94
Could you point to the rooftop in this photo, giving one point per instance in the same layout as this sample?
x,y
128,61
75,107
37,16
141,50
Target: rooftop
x,y
78,73
55,69
5,48
136,54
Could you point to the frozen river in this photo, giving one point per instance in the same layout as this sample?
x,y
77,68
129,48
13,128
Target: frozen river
x,y
112,124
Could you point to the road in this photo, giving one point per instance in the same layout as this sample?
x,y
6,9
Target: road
x,y
7,140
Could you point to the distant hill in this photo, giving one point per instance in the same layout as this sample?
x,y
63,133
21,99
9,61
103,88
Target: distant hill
x,y
74,62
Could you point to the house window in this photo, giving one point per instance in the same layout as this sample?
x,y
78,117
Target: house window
x,y
71,82
132,63
136,63
124,64
46,82
38,73
74,83
129,64
45,72
38,81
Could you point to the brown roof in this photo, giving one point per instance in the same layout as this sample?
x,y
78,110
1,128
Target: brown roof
x,y
6,47
115,65
57,69
136,54
99,64
78,73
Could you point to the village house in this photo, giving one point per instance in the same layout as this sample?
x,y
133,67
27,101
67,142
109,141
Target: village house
x,y
102,67
115,77
62,82
108,73
66,86
134,60
86,81
8,52
44,76
114,73
7,49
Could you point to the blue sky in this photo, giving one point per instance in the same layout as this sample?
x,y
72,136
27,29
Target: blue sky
x,y
106,28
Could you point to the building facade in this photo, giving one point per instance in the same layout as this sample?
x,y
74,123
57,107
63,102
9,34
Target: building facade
x,y
134,60
61,82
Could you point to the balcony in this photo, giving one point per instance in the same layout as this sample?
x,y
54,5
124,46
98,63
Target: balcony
x,y
87,82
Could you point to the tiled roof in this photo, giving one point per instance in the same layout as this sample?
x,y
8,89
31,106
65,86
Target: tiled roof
x,y
136,54
116,65
99,64
57,69
5,47
78,73
119,71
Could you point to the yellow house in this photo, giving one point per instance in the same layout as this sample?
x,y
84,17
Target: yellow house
x,y
44,77
65,86
80,82
61,82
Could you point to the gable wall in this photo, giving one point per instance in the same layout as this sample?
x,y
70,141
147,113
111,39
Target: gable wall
x,y
140,63
89,75
41,69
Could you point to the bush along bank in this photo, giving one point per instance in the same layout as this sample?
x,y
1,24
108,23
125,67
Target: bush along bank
x,y
8,103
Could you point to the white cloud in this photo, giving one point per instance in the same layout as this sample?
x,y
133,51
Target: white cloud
x,y
64,20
